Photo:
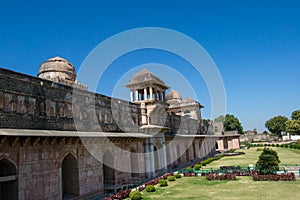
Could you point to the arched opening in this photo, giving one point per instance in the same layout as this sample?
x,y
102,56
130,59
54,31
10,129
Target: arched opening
x,y
69,175
156,163
108,171
8,180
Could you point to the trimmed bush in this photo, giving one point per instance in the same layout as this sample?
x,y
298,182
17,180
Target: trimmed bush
x,y
188,169
268,162
135,195
197,166
150,188
177,175
171,178
163,183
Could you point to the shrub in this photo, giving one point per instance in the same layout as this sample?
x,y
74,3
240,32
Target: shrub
x,y
259,149
171,178
150,188
177,175
163,183
277,145
197,166
135,195
189,169
268,162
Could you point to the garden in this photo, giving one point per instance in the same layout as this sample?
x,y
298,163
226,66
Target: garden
x,y
229,177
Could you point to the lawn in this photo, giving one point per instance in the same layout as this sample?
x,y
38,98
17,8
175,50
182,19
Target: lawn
x,y
286,156
242,188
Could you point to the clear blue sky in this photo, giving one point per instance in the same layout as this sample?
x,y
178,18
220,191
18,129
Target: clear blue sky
x,y
255,44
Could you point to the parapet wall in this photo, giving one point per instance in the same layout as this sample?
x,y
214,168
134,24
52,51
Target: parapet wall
x,y
28,102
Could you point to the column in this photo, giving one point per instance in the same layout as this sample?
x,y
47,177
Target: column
x,y
165,165
145,94
131,96
151,93
136,95
149,158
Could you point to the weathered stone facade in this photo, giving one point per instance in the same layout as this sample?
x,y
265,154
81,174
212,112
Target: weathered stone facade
x,y
58,142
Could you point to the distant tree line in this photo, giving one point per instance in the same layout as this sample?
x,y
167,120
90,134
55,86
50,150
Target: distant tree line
x,y
279,124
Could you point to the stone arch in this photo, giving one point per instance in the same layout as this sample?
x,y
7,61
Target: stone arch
x,y
108,171
69,176
8,180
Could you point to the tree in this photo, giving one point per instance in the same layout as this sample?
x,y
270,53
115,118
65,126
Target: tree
x,y
231,123
276,124
221,118
255,131
268,162
296,115
293,126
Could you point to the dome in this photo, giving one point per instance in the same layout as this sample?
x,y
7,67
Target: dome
x,y
56,69
173,95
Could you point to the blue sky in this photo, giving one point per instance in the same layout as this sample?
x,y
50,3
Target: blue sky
x,y
255,45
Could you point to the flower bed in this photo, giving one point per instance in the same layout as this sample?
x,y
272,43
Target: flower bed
x,y
215,176
189,174
274,177
123,194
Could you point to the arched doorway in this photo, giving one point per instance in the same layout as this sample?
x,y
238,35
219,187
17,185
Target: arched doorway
x,y
108,171
69,174
8,180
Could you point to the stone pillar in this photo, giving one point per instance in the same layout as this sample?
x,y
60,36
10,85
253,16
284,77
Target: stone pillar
x,y
131,96
151,93
136,95
145,94
149,158
164,163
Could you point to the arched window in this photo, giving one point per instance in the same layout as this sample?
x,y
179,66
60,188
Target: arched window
x,y
69,175
8,180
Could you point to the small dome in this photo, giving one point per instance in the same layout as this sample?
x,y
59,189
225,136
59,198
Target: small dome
x,y
173,95
57,68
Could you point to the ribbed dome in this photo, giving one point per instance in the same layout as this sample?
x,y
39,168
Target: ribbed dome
x,y
173,95
57,68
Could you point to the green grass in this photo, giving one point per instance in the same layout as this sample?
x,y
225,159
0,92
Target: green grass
x,y
286,156
242,188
